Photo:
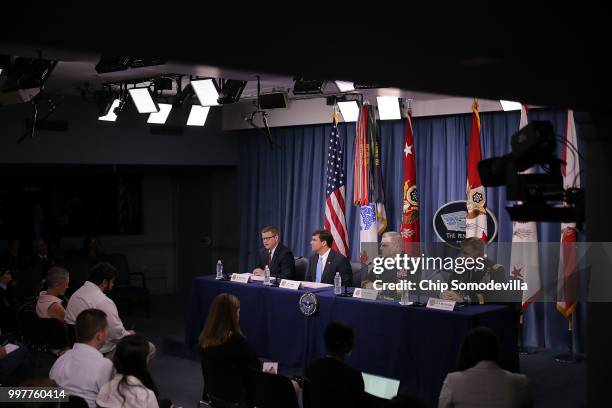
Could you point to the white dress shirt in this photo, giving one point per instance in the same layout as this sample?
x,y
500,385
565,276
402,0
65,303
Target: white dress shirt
x,y
272,252
82,371
485,385
324,257
90,296
136,394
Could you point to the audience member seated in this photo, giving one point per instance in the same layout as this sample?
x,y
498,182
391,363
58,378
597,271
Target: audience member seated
x,y
14,366
49,304
132,386
92,249
333,382
83,370
41,256
226,356
8,314
13,258
92,295
480,382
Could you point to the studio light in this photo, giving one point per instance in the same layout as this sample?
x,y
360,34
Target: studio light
x,y
230,91
198,115
143,100
307,86
345,86
161,116
206,91
349,110
28,73
510,106
109,112
388,107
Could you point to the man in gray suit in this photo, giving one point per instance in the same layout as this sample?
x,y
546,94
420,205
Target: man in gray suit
x,y
325,262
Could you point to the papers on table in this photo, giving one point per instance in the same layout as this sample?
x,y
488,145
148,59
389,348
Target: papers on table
x,y
315,285
10,347
256,278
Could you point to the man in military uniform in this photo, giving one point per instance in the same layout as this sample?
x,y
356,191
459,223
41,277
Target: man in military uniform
x,y
475,248
390,245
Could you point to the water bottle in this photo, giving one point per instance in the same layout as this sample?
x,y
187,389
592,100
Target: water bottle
x,y
219,270
267,276
405,298
337,284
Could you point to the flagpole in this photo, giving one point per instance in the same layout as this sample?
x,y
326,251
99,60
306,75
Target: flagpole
x,y
570,356
522,348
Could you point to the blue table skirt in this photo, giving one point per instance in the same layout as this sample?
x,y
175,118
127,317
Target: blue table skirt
x,y
416,345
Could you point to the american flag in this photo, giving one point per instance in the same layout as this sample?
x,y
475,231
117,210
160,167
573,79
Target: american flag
x,y
335,219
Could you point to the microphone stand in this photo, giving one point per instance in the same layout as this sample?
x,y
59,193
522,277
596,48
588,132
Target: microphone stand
x,y
346,293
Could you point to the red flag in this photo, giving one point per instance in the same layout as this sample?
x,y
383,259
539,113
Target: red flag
x,y
566,282
410,209
476,219
361,182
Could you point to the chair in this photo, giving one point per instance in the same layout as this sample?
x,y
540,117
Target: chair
x,y
42,334
124,292
272,391
301,266
356,268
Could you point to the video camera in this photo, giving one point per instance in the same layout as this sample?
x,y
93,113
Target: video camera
x,y
538,196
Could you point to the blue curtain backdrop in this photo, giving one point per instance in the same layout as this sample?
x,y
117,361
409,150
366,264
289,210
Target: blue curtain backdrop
x,y
284,186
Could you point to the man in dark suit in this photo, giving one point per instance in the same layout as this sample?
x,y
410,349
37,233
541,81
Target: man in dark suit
x,y
41,256
277,256
332,382
325,262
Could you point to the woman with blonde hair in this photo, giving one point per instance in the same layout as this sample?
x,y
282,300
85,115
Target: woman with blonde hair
x,y
226,356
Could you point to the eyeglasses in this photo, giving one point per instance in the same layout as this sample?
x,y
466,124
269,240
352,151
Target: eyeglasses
x,y
268,238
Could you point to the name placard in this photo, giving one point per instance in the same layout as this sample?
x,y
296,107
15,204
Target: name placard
x,y
441,304
240,277
290,284
369,294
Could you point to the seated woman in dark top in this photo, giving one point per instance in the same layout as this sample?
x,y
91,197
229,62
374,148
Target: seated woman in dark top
x,y
226,356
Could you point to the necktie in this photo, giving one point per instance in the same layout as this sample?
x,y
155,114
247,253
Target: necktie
x,y
319,269
269,258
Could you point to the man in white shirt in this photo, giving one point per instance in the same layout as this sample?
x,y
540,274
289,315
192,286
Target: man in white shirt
x,y
92,295
83,370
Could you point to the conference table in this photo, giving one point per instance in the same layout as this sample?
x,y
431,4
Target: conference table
x,y
416,345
